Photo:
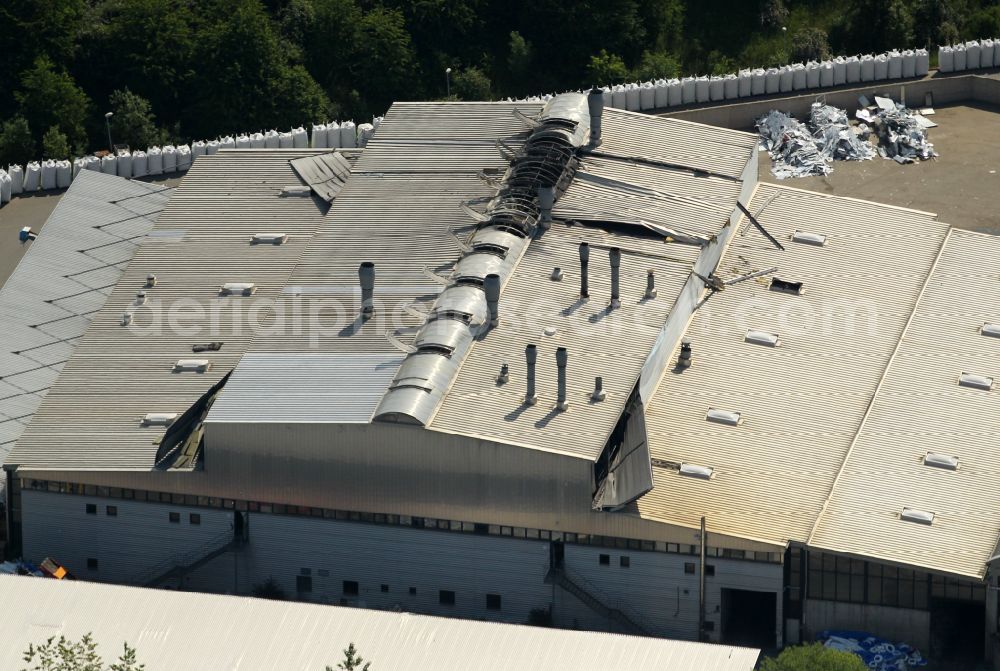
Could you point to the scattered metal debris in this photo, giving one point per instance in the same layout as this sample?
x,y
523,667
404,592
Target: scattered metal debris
x,y
902,134
793,151
834,136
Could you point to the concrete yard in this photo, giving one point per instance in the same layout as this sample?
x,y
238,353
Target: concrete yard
x,y
960,186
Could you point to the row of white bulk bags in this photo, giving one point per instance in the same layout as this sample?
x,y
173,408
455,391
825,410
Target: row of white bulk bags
x,y
183,157
169,154
64,174
16,174
140,163
124,164
365,132
348,135
5,187
242,141
32,177
154,160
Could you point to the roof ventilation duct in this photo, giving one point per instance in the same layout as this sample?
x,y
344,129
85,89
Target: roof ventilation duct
x,y
599,394
504,376
366,274
684,358
595,103
531,356
561,358
584,260
650,284
616,261
151,280
546,200
491,286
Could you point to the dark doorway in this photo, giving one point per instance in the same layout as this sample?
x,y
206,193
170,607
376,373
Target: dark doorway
x,y
958,630
557,553
239,527
748,618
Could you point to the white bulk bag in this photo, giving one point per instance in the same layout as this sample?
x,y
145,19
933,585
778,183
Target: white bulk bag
x,y
618,97
853,67
608,98
242,141
348,135
198,148
154,158
923,62
93,163
125,164
169,153
271,140
758,82
745,86
895,64
365,132
32,177
961,58
632,97
257,141
731,87
785,78
986,53
996,52
716,88
647,96
227,142
972,55
799,77
318,139
909,67
826,74
772,80
661,98
48,174
687,90
674,92
881,67
867,68
109,165
140,163
839,71
702,89
300,138
5,192
376,121
333,133
812,75
184,157
16,174
946,59
64,174
285,140
212,147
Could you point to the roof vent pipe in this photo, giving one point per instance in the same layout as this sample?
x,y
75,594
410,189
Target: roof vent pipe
x,y
650,284
616,261
584,259
599,393
531,354
366,273
684,358
561,357
491,286
151,280
546,200
595,103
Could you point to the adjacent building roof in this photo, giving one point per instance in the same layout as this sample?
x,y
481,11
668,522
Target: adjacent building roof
x,y
921,410
800,404
174,630
62,282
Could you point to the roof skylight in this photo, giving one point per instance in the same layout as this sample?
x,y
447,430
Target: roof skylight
x,y
975,381
807,238
724,417
695,471
918,516
240,288
763,338
939,460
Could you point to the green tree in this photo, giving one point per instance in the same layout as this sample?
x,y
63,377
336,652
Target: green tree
x,y
55,145
520,56
133,122
773,14
50,97
17,145
813,657
878,25
472,84
934,22
655,65
810,44
63,654
606,69
269,589
352,661
384,67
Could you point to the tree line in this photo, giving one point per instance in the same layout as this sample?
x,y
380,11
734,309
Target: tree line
x,y
174,70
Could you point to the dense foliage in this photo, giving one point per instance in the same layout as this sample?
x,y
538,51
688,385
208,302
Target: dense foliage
x,y
813,657
183,69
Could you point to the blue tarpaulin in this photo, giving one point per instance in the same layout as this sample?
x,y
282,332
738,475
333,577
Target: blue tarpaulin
x,y
878,653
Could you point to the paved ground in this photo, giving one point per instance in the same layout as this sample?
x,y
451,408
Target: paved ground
x,y
33,211
960,186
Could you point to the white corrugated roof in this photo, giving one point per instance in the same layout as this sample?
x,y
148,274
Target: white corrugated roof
x,y
184,630
921,408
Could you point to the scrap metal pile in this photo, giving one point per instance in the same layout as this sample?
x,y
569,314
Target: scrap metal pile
x,y
800,150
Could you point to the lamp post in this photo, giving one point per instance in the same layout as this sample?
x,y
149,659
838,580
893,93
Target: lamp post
x,y
447,81
107,124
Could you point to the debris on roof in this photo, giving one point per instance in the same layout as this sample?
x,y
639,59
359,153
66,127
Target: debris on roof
x,y
800,150
902,134
835,138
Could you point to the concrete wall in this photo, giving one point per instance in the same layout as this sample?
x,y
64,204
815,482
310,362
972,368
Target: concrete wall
x,y
895,624
945,89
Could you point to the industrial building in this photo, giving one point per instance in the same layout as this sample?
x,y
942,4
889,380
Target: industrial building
x,y
503,363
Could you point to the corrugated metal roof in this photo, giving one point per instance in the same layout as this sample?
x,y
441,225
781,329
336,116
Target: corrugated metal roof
x,y
802,402
202,239
920,408
173,630
62,280
305,387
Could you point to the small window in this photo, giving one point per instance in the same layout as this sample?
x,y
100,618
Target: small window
x,y
303,584
482,529
446,597
92,563
305,571
709,625
413,591
351,587
689,567
604,560
112,511
194,518
624,561
91,508
175,518
710,569
384,587
786,287
493,602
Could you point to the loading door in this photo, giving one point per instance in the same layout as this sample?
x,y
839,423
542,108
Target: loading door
x,y
748,618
